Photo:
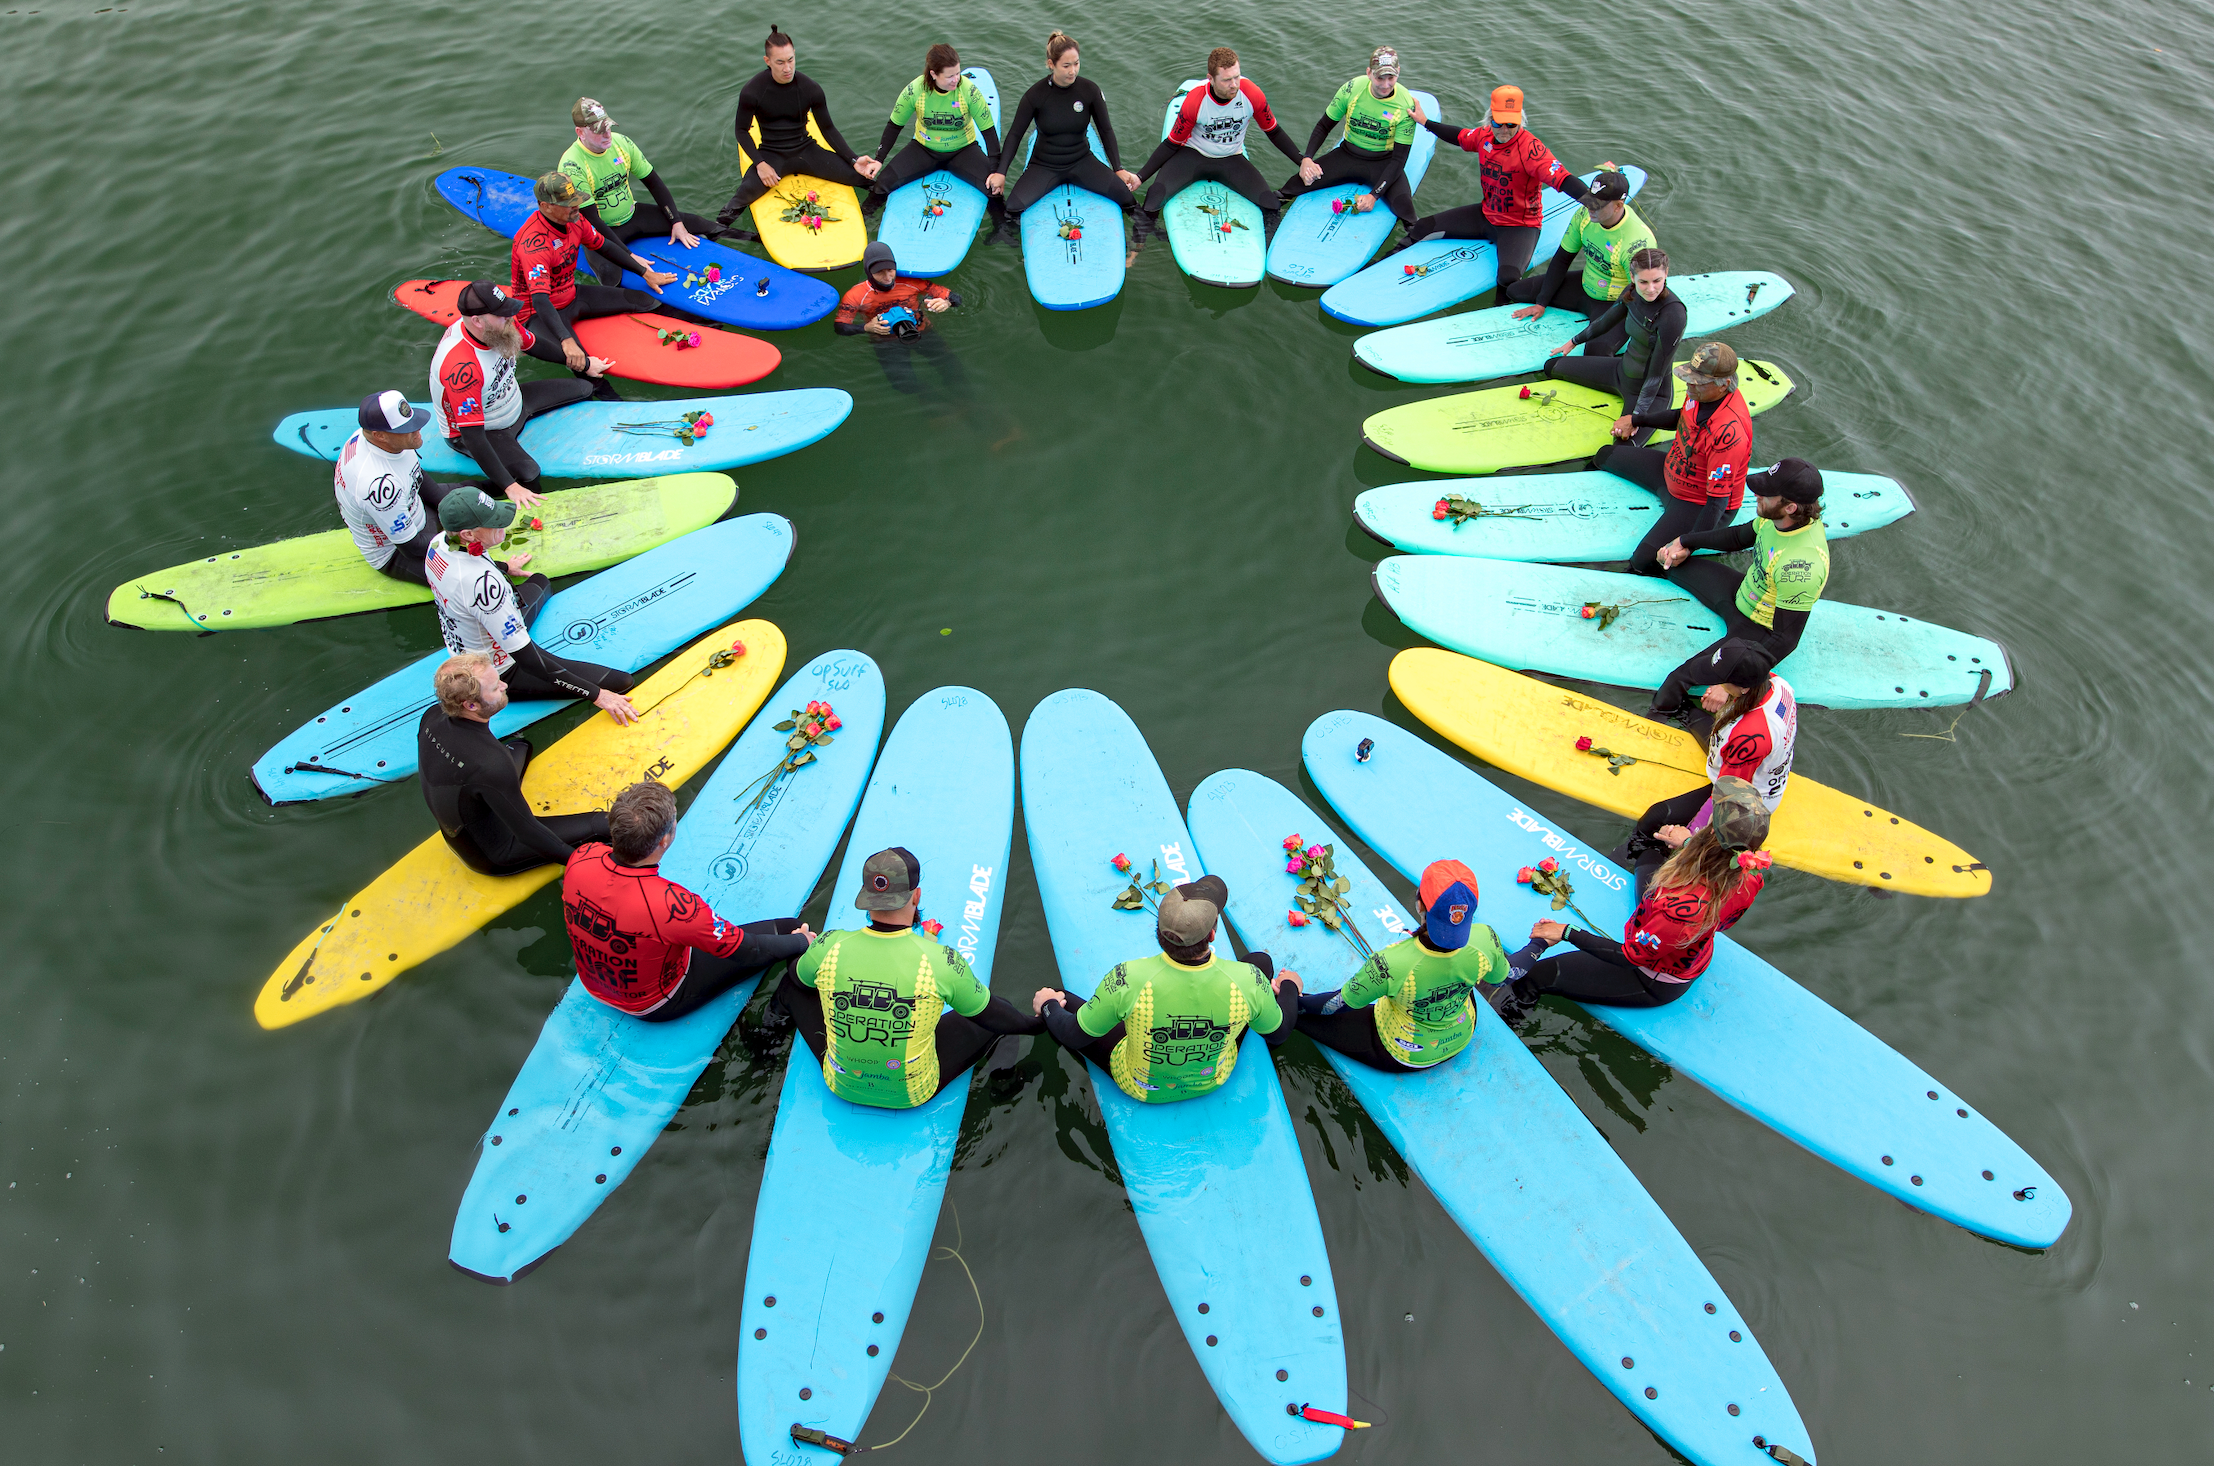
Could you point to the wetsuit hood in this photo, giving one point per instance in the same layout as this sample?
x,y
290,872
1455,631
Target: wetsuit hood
x,y
877,254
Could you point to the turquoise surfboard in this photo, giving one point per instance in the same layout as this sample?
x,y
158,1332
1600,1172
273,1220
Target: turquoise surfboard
x,y
851,1193
1217,1184
1317,247
1515,1163
1745,1031
1215,233
599,1085
931,221
1073,251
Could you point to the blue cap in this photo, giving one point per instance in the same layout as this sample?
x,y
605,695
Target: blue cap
x,y
1449,916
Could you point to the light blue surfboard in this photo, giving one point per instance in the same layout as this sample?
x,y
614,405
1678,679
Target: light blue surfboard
x,y
1745,1031
1441,273
1317,247
1479,345
1216,234
599,1085
850,1197
586,439
1515,1163
1072,274
1530,618
1581,516
625,616
928,244
1217,1183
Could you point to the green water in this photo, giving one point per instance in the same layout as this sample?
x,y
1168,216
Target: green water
x,y
228,1246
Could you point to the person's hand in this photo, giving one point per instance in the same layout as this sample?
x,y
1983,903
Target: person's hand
x,y
655,279
1548,931
933,304
598,366
1043,996
1529,312
995,184
1309,170
766,174
573,354
876,327
1563,349
808,932
1129,179
1291,976
1415,111
1623,428
522,498
616,706
1363,202
681,235
1671,554
514,564
867,167
1673,836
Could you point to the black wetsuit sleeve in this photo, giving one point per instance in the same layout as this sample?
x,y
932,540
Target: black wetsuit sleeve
x,y
1728,537
1025,110
1156,158
1001,1016
1062,1024
749,114
1783,637
1653,393
479,447
989,136
544,314
661,196
1319,136
890,135
620,253
1556,272
819,105
1520,962
1658,417
1287,1000
1574,187
505,803
1592,942
1106,129
1284,143
533,659
1444,134
1393,169
1606,321
770,947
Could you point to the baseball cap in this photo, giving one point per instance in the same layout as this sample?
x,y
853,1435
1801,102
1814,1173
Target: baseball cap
x,y
1448,903
1608,186
1189,913
1791,478
888,878
1506,105
558,187
1712,362
486,298
590,115
1740,820
1384,61
466,508
1739,662
391,412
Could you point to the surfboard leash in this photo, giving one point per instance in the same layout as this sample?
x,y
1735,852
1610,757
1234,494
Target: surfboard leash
x,y
1983,685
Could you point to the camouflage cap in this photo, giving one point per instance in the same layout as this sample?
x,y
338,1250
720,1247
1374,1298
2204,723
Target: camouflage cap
x,y
590,116
559,188
1189,913
888,878
1740,819
1712,362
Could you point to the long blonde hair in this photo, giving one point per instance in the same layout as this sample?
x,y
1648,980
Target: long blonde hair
x,y
1702,860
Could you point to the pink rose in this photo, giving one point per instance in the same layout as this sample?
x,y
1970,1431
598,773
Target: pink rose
x,y
1314,852
1583,745
1294,842
1294,868
833,724
811,196
1296,918
1121,863
1549,865
1524,876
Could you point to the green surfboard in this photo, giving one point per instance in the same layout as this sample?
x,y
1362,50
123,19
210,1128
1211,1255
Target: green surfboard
x,y
321,575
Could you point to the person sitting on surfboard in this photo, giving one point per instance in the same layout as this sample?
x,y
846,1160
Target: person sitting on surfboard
x,y
1604,234
1700,477
950,114
1697,893
604,164
873,1005
778,100
1167,1027
542,272
1063,105
895,309
1752,727
645,945
475,399
473,780
1207,141
1411,1006
1516,170
1653,318
1379,133
382,495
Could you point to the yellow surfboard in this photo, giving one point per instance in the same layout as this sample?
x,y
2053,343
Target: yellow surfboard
x,y
429,900
792,244
1530,728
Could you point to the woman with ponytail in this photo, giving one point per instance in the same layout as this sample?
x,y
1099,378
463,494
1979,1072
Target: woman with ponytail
x,y
951,119
779,100
1063,105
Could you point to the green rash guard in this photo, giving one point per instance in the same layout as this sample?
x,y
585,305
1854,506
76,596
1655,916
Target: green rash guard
x,y
1606,252
1789,569
606,177
1422,997
882,993
1182,1023
1372,125
945,122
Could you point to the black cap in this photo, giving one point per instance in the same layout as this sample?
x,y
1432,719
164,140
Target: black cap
x,y
1791,478
1739,662
1608,187
486,298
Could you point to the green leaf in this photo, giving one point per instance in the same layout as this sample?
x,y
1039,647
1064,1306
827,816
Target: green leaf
x,y
826,738
1559,902
1330,918
803,760
1341,885
786,726
1128,901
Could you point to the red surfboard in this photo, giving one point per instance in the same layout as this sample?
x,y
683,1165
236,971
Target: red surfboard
x,y
635,343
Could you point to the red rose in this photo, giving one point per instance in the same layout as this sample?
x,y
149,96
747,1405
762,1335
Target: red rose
x,y
1583,745
1549,865
538,524
1524,876
1525,394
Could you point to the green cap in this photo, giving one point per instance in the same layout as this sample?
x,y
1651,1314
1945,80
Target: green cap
x,y
1740,819
467,508
888,878
1712,362
559,188
1189,913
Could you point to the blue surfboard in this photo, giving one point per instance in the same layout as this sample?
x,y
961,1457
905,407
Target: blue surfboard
x,y
1217,1183
850,1197
1216,235
1441,273
1745,1031
1317,247
1073,251
586,439
599,1085
749,291
625,616
931,221
1515,1163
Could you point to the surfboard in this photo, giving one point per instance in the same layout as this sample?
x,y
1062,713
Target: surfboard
x,y
1580,516
1530,728
1317,247
1476,346
1439,274
1501,427
591,439
714,280
428,901
931,221
625,617
1515,1163
850,1195
644,347
1072,242
316,576
600,1086
1745,1031
1216,234
1217,1183
841,238
1530,617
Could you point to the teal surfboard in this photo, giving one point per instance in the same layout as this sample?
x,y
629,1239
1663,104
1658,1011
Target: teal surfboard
x,y
1073,251
599,1085
1318,246
931,221
1582,516
1515,1163
1530,618
1216,234
1217,1184
1745,1031
850,1196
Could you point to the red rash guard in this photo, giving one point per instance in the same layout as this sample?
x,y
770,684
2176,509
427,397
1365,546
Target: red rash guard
x,y
1712,449
1663,936
864,302
1515,176
633,931
544,260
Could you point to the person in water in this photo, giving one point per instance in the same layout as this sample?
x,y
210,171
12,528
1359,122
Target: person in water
x,y
1604,234
1207,142
382,495
645,945
1516,169
1700,477
1412,1005
1652,321
542,274
477,403
1167,1027
480,614
473,780
954,131
1063,105
1687,900
896,309
1380,122
604,164
1752,725
873,1004
779,100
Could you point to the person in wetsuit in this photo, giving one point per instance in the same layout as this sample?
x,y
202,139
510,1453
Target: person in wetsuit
x,y
473,781
1189,1006
382,495
1380,122
892,1014
645,945
477,403
1651,320
1605,233
1516,169
542,274
1207,141
954,131
1411,1006
1063,105
1749,718
896,310
604,164
1700,477
779,99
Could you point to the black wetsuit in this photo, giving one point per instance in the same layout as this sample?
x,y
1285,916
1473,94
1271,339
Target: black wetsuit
x,y
551,325
647,221
1063,153
499,451
1060,1020
1652,330
709,976
1716,585
473,784
782,110
1382,174
1556,291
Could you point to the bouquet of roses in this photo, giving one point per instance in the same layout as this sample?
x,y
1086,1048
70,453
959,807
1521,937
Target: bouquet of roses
x,y
1322,891
810,728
